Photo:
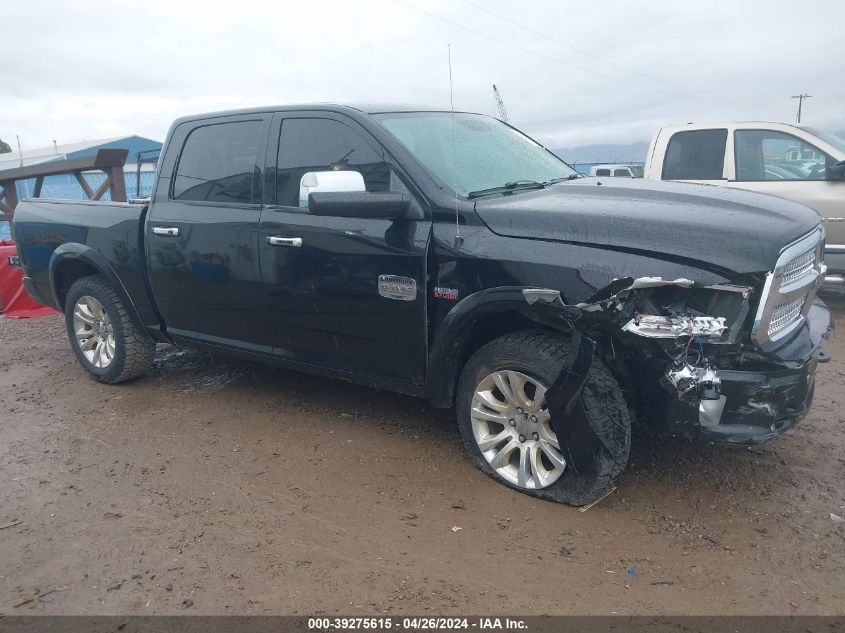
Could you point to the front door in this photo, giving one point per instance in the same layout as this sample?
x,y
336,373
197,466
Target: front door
x,y
780,164
324,301
202,233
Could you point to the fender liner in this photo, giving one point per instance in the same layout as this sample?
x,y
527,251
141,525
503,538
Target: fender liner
x,y
86,254
542,305
578,440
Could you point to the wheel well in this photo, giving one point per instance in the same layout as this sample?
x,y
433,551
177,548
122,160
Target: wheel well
x,y
68,272
478,333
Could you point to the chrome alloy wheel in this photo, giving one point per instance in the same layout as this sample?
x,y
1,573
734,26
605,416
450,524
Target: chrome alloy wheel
x,y
512,428
93,330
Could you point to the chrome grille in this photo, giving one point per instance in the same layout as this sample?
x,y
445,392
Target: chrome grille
x,y
799,267
784,314
789,289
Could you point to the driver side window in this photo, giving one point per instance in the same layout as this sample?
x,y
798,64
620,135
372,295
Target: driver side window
x,y
317,146
770,155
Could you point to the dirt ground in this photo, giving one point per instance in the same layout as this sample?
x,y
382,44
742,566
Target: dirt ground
x,y
219,487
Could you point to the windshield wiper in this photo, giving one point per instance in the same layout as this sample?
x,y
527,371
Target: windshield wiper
x,y
509,186
564,179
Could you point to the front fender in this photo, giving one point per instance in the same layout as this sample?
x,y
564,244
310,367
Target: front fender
x,y
542,305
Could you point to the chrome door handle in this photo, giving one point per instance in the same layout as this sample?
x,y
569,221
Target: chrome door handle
x,y
275,240
170,231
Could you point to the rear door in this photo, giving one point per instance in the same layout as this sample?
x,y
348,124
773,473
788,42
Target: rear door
x,y
322,274
202,232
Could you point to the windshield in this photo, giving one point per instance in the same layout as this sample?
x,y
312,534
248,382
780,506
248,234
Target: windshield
x,y
487,153
827,137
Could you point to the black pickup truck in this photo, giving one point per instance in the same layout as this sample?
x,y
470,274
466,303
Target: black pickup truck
x,y
448,256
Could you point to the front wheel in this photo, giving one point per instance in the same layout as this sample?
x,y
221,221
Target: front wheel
x,y
507,429
104,338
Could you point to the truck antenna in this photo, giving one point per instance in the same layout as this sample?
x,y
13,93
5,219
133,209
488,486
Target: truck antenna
x,y
458,239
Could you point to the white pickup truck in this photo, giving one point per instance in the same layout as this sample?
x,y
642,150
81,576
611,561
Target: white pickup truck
x,y
795,162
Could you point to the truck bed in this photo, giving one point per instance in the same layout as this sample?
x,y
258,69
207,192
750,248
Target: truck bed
x,y
57,236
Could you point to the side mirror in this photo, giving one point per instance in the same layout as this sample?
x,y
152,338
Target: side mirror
x,y
360,204
314,181
837,171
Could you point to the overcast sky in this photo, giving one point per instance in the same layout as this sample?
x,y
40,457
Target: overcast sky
x,y
571,73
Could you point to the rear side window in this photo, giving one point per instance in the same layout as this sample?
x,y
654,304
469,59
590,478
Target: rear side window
x,y
314,145
602,172
622,172
218,163
695,155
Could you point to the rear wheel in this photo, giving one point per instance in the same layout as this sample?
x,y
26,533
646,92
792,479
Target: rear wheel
x,y
104,338
507,428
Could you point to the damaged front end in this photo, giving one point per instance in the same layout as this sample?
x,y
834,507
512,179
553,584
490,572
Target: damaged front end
x,y
689,355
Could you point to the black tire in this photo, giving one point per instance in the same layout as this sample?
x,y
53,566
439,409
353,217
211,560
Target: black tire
x,y
133,348
541,355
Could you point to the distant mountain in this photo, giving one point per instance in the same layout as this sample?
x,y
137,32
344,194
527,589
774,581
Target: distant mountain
x,y
610,153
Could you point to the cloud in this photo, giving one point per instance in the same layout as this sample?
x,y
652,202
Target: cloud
x,y
609,72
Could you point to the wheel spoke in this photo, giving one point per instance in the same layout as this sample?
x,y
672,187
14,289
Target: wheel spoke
x,y
537,467
517,382
493,416
546,433
553,454
492,401
539,400
83,313
524,476
489,441
500,459
500,378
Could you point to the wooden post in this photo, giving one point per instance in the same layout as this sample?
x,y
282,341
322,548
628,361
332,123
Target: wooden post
x,y
84,184
118,183
102,188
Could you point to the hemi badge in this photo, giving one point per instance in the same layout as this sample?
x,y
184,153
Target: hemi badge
x,y
446,293
399,288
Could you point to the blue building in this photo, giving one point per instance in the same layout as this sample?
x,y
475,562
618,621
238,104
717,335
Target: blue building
x,y
65,185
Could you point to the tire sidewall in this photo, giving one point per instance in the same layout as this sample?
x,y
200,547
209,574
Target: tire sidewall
x,y
94,287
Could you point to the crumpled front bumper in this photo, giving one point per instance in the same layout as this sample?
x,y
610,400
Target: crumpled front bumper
x,y
762,404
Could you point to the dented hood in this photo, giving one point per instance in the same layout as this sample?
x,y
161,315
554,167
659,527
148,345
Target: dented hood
x,y
728,229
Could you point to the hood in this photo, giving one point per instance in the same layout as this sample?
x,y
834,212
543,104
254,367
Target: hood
x,y
728,229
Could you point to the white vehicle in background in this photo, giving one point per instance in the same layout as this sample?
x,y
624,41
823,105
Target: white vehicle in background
x,y
794,162
617,170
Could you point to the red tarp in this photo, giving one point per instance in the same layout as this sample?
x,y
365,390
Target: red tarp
x,y
15,302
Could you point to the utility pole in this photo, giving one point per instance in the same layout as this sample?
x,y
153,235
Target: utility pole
x,y
800,98
500,105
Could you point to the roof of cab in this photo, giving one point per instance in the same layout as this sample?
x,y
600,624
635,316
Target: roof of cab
x,y
369,108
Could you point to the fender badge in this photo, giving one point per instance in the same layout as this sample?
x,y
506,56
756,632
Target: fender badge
x,y
398,288
446,293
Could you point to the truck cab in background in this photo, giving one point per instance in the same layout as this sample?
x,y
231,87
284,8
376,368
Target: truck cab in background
x,y
617,170
795,162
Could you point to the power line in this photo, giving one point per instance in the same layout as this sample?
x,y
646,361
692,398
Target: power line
x,y
528,50
800,98
580,50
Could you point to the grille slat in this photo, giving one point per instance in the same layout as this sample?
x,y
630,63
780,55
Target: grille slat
x,y
785,314
798,268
